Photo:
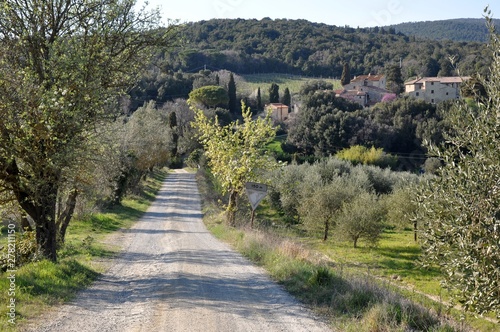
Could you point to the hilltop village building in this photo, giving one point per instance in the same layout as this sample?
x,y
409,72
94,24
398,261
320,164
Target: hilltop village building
x,y
435,89
365,89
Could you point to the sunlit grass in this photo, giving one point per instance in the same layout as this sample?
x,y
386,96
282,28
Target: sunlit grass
x,y
292,82
391,267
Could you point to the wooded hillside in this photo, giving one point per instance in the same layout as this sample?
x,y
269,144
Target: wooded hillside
x,y
315,49
460,30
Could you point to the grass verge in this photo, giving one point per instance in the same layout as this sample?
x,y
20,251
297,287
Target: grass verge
x,y
40,285
345,291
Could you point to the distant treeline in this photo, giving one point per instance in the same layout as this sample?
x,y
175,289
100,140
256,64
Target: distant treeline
x,y
460,30
314,49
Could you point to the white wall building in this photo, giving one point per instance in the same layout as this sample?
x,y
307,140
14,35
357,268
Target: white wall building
x,y
435,89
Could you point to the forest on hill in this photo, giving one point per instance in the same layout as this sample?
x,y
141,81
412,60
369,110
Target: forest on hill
x,y
315,49
459,30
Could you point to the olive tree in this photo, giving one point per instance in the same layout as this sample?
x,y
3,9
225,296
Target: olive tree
x,y
321,202
62,65
361,219
235,152
142,142
460,208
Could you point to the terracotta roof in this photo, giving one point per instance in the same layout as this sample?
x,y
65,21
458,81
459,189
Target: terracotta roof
x,y
368,77
351,93
445,80
277,105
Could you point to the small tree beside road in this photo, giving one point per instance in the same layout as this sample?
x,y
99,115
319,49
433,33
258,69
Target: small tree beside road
x,y
235,152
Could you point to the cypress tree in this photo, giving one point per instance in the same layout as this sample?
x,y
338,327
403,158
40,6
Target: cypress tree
x,y
287,98
395,82
274,94
231,91
259,100
346,75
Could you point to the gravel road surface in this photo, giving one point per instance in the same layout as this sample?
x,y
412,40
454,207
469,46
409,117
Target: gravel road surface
x,y
173,275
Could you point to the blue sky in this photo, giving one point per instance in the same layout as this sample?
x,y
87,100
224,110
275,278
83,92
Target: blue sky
x,y
362,13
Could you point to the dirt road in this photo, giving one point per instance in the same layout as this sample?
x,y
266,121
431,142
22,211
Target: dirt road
x,y
173,275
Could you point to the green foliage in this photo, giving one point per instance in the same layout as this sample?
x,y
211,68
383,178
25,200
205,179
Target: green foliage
x,y
460,30
285,189
320,204
350,302
274,93
313,49
315,85
322,276
401,207
59,80
325,124
236,152
287,98
432,165
148,138
231,91
395,82
362,155
459,208
195,158
346,74
314,195
361,219
295,83
19,250
210,96
259,100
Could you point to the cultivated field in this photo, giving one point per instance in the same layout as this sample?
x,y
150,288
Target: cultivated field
x,y
250,83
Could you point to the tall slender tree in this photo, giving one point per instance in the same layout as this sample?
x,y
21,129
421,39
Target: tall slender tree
x,y
287,97
231,92
346,74
259,100
395,81
274,93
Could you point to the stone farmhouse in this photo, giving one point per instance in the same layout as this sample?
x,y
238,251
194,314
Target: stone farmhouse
x,y
279,112
435,89
365,89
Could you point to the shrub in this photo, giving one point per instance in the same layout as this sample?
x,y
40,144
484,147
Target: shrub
x,y
432,165
362,155
194,158
25,251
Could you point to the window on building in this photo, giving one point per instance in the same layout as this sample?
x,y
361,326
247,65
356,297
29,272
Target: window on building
x,y
432,91
446,93
432,101
417,94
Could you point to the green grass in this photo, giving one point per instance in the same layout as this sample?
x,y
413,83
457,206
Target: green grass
x,y
395,257
293,82
349,301
42,284
381,288
275,145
